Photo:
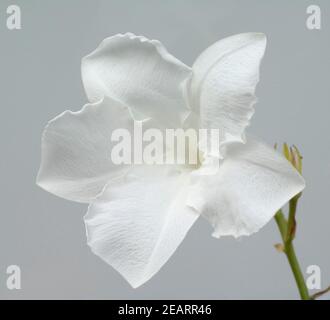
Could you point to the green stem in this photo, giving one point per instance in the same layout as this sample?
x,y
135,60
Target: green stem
x,y
291,231
294,264
289,251
281,223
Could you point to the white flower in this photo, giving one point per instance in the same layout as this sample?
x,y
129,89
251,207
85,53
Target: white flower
x,y
138,215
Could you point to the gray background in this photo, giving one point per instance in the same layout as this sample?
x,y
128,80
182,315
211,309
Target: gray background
x,y
40,78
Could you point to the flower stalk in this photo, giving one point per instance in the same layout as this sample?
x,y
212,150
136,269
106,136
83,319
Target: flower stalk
x,y
289,251
287,227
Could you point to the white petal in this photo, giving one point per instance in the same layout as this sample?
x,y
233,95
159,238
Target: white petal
x,y
139,222
140,73
252,183
223,86
75,155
